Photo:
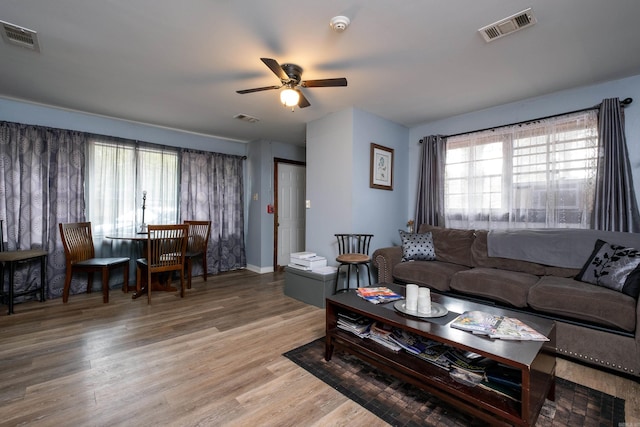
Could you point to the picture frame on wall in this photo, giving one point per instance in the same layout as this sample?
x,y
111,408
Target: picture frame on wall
x,y
381,168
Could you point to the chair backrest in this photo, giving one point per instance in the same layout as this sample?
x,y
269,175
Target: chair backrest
x,y
166,247
353,243
199,232
77,241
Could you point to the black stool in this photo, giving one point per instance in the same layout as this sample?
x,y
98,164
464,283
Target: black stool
x,y
353,250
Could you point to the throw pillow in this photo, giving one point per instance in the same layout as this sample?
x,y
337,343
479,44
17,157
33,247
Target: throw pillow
x,y
417,247
614,267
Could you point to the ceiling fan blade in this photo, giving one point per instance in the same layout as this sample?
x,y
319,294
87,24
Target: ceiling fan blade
x,y
303,102
324,82
275,67
258,89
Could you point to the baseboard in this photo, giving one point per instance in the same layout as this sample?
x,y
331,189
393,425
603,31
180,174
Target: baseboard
x,y
259,270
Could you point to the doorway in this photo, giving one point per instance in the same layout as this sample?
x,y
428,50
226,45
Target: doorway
x,y
289,214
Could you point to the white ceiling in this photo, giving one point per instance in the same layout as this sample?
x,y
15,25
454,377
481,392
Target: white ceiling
x,y
178,64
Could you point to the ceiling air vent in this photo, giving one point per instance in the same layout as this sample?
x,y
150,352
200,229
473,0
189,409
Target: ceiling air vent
x,y
246,118
508,25
19,36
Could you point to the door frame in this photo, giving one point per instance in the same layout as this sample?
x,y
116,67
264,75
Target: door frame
x,y
276,161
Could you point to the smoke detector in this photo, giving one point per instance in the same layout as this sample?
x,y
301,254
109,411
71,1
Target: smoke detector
x,y
508,25
339,23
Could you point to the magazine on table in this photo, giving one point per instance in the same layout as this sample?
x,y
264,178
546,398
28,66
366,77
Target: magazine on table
x,y
495,326
377,295
381,333
477,321
354,323
514,329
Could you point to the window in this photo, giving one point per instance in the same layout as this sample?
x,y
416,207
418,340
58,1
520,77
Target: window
x,y
117,176
540,174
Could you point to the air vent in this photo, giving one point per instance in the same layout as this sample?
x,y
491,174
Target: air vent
x,y
508,25
246,118
19,36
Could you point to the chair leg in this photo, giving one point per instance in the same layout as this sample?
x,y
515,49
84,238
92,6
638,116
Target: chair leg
x,y
368,273
204,266
125,284
148,286
105,285
335,286
89,282
182,283
139,279
67,285
189,268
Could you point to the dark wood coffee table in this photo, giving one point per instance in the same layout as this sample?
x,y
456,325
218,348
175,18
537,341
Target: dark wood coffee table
x,y
535,359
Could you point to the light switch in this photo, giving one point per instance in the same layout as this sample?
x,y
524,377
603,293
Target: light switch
x,y
255,196
308,204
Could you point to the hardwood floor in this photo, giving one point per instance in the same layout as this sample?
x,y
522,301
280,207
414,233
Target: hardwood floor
x,y
213,358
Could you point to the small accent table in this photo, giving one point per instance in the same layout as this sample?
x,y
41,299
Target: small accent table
x,y
15,257
142,237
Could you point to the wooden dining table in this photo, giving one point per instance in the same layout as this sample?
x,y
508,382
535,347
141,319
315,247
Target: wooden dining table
x,y
142,239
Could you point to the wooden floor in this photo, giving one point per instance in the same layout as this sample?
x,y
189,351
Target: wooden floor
x,y
213,358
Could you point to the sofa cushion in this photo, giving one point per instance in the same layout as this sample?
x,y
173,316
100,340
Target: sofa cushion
x,y
510,287
451,245
578,300
614,267
479,251
434,274
417,246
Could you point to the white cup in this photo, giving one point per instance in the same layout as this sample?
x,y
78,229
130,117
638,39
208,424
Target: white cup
x,y
411,303
424,301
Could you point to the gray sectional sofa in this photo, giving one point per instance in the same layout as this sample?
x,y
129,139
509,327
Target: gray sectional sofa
x,y
534,271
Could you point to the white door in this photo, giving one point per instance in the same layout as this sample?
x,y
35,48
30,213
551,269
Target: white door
x,y
291,210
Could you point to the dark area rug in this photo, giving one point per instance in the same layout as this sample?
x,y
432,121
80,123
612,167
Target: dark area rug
x,y
402,404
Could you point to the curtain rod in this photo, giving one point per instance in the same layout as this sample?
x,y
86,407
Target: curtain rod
x,y
623,103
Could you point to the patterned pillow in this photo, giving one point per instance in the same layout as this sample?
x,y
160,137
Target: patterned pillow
x,y
417,247
614,267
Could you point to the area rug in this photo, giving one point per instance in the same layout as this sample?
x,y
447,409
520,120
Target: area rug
x,y
402,404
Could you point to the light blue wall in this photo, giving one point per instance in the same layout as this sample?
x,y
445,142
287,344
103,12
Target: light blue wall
x,y
34,114
260,227
555,103
338,160
330,190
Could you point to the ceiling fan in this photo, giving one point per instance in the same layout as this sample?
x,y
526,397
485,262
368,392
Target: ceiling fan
x,y
290,78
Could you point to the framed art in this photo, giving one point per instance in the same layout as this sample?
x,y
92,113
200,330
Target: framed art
x,y
381,169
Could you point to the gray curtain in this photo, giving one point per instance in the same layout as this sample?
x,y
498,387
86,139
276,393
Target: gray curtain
x,y
616,208
41,184
211,187
430,197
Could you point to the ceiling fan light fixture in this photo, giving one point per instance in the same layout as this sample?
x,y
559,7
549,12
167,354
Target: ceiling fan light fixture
x,y
289,97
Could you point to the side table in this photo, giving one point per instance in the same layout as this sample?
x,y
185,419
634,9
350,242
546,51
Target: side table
x,y
15,257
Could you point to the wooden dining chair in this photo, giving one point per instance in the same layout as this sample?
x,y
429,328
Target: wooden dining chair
x,y
165,252
199,232
80,257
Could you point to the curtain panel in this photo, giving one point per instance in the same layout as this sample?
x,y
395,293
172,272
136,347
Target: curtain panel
x,y
616,207
212,187
430,197
41,185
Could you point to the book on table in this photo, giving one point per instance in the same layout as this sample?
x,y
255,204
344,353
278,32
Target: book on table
x,y
377,295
